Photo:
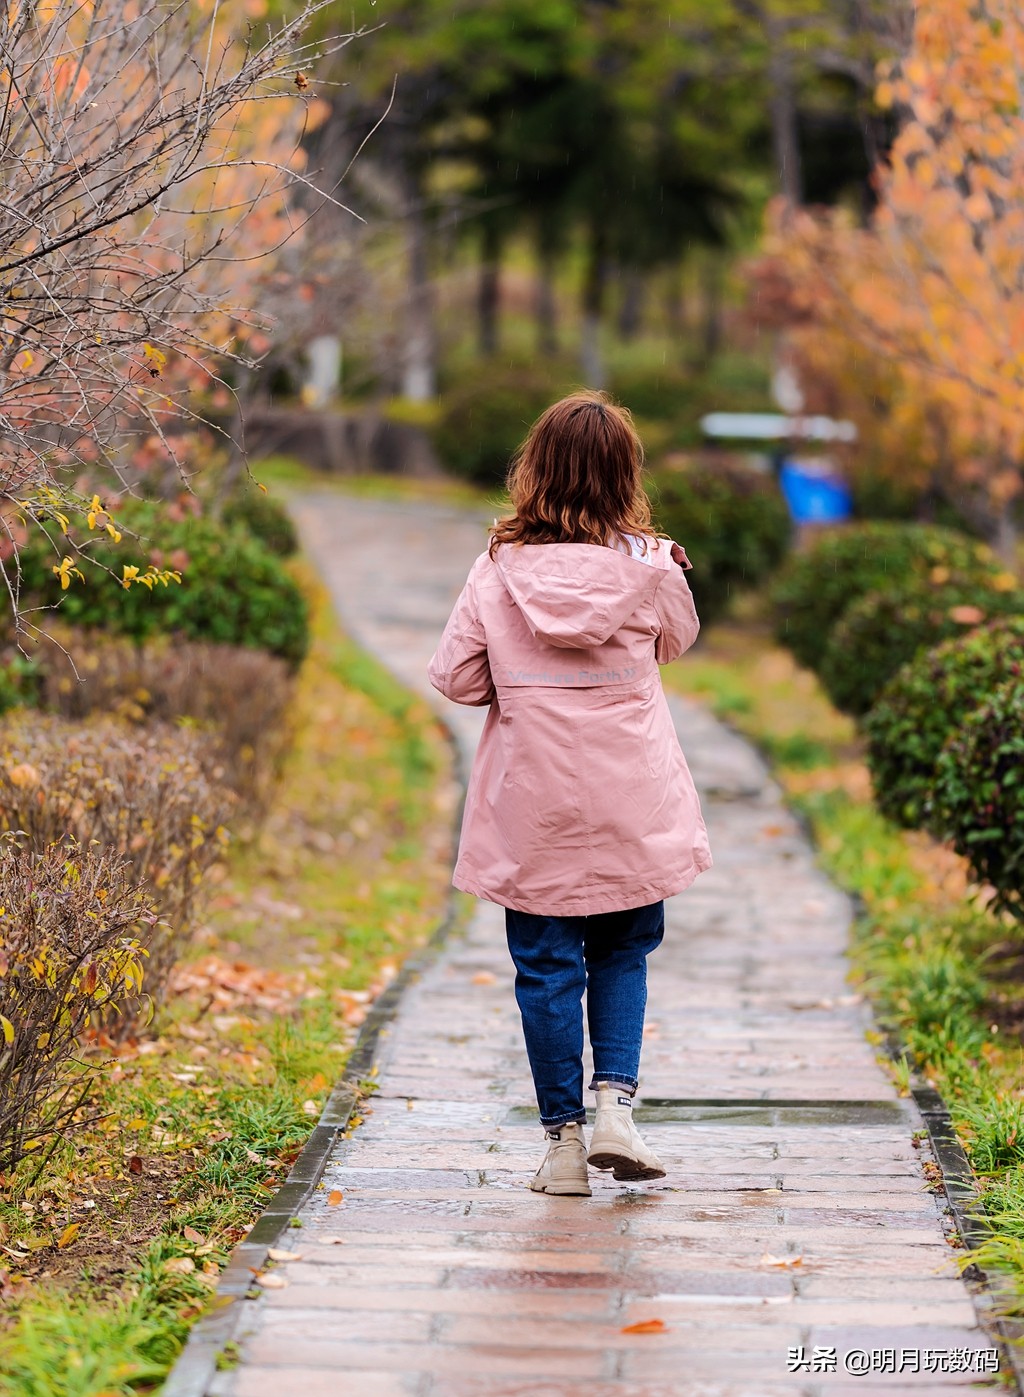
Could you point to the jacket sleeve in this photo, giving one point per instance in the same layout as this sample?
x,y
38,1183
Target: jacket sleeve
x,y
673,603
460,668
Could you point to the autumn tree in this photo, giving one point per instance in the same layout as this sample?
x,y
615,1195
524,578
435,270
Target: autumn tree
x,y
147,153
933,288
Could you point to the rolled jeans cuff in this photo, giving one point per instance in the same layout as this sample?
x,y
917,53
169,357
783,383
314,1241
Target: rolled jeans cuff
x,y
580,1117
629,1084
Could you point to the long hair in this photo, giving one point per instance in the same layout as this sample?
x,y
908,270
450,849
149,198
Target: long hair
x,y
578,477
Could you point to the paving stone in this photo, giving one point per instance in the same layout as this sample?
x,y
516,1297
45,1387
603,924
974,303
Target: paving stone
x,y
253,1381
353,1354
452,1279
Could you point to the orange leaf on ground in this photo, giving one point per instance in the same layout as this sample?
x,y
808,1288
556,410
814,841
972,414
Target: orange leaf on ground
x,y
69,1234
191,1235
271,1281
646,1326
335,1196
483,977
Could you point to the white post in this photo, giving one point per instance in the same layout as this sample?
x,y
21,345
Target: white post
x,y
324,376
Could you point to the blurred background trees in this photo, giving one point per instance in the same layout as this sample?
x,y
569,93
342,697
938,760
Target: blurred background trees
x,y
590,163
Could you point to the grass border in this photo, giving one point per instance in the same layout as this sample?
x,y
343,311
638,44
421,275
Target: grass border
x,y
218,1328
968,1211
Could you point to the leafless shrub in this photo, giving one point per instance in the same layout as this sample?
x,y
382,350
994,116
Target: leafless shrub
x,y
142,793
73,925
147,155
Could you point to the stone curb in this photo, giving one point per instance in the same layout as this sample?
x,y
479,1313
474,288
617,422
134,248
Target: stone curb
x,y
196,1365
968,1212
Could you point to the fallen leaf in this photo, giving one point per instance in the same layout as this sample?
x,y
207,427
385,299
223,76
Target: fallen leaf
x,y
69,1234
135,1165
335,1196
646,1326
276,1254
768,1260
181,1264
271,1281
326,1241
191,1235
483,977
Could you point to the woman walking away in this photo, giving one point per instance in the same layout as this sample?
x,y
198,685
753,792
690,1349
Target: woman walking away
x,y
581,815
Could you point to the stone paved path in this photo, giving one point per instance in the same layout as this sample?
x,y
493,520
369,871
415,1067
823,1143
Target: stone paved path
x,y
441,1275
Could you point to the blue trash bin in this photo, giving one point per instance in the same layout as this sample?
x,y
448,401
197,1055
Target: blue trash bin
x,y
814,494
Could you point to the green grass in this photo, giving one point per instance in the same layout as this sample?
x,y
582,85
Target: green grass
x,y
281,474
349,873
942,973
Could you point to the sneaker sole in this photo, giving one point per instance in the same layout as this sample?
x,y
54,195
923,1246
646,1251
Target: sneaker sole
x,y
566,1190
624,1167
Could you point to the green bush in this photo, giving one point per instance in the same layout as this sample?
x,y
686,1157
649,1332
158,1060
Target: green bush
x,y
661,394
926,701
266,519
979,794
731,520
484,419
883,630
233,591
818,584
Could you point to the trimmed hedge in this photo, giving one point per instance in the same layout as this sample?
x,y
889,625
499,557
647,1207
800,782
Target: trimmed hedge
x,y
238,697
264,518
233,591
818,584
979,794
883,630
483,420
927,701
731,520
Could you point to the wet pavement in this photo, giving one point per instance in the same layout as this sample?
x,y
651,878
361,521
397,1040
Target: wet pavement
x,y
795,1228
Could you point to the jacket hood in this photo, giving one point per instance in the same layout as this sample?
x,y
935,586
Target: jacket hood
x,y
576,595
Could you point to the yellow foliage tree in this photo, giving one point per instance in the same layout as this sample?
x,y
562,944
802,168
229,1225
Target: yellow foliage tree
x,y
921,314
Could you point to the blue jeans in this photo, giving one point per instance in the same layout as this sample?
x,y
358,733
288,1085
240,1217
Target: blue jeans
x,y
556,958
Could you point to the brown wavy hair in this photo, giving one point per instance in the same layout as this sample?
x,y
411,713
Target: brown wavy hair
x,y
578,477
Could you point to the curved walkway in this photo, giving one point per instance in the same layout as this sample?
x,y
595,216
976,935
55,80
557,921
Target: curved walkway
x,y
795,1214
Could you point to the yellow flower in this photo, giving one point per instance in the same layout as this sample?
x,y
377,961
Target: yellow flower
x,y
65,571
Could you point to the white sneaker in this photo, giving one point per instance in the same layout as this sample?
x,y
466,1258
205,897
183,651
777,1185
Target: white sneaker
x,y
615,1144
564,1170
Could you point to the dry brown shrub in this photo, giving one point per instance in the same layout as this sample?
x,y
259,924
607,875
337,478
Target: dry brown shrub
x,y
240,696
144,793
73,925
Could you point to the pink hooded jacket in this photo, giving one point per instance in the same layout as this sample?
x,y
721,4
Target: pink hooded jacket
x,y
580,800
